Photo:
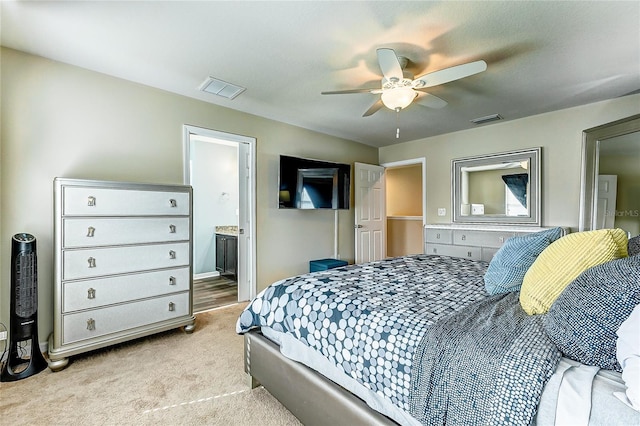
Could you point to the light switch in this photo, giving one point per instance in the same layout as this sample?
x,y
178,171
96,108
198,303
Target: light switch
x,y
442,211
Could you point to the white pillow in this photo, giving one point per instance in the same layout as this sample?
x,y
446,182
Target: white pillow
x,y
628,354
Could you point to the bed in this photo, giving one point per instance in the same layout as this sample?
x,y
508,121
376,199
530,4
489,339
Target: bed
x,y
428,339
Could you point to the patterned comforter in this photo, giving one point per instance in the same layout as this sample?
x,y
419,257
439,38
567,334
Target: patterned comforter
x,y
421,332
368,319
485,365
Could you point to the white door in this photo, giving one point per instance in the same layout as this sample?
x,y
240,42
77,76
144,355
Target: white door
x,y
245,248
606,199
370,217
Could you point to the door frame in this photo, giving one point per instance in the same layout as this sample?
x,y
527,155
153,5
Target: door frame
x,y
411,162
246,258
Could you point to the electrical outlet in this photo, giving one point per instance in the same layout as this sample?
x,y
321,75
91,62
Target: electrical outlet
x,y
3,335
442,211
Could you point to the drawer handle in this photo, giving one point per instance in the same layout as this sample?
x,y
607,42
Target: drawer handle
x,y
91,293
172,229
464,237
468,254
172,280
438,236
501,239
172,306
91,201
90,231
92,262
173,202
435,250
172,254
91,324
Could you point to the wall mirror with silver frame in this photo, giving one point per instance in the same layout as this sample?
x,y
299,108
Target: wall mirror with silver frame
x,y
501,188
610,187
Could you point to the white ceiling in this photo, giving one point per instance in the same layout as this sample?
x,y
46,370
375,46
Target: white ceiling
x,y
541,55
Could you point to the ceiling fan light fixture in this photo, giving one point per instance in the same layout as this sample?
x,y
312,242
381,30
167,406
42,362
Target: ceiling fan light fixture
x,y
398,98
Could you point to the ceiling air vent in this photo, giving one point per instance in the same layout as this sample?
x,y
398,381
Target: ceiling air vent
x,y
486,119
221,88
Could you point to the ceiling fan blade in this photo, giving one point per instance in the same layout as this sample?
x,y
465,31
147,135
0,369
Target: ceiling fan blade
x,y
449,74
342,92
389,64
373,108
431,101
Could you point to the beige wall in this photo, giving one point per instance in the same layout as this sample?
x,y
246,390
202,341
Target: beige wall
x,y
558,133
60,120
404,190
404,236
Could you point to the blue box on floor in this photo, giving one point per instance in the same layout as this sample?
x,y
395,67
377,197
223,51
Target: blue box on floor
x,y
324,264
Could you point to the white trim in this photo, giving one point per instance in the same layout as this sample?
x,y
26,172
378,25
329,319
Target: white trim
x,y
205,275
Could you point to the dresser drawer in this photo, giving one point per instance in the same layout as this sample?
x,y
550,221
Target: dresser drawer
x,y
88,201
493,239
474,253
99,322
97,292
438,236
82,232
96,262
488,253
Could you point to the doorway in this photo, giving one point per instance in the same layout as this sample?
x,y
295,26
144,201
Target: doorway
x,y
220,168
390,209
404,209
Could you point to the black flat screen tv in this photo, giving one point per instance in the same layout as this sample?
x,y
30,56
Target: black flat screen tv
x,y
313,184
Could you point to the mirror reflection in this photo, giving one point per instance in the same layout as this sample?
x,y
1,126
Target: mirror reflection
x,y
618,187
610,193
496,188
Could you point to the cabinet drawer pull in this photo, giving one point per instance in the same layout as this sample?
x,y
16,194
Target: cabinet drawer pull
x,y
172,229
90,231
91,293
172,280
468,254
464,237
172,306
92,262
435,250
501,239
91,324
438,236
91,201
173,202
172,254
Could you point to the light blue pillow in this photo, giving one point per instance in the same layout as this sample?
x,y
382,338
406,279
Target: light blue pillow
x,y
510,264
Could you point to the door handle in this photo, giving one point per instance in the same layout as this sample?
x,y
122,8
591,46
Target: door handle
x,y
359,226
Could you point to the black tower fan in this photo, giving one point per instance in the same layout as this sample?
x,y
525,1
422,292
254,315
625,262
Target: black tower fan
x,y
24,312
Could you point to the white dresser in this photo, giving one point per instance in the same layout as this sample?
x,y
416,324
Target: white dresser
x,y
122,263
475,242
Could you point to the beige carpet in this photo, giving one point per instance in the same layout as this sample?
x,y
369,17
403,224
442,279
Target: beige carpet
x,y
170,378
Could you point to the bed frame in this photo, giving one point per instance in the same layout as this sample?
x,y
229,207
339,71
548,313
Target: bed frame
x,y
311,397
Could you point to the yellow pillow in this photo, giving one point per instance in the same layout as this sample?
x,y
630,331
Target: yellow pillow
x,y
563,260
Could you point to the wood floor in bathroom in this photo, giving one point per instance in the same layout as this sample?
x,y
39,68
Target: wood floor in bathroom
x,y
210,293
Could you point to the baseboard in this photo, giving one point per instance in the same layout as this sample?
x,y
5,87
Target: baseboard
x,y
205,275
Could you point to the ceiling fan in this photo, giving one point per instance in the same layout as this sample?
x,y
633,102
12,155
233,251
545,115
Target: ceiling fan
x,y
399,91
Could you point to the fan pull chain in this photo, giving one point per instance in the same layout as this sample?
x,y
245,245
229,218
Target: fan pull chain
x,y
397,123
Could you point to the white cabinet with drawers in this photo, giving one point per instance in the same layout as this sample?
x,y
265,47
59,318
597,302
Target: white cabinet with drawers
x,y
469,241
122,264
